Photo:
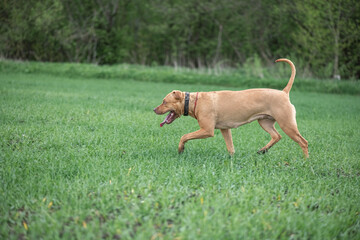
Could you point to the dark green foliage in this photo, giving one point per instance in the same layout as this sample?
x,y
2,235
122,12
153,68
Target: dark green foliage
x,y
322,36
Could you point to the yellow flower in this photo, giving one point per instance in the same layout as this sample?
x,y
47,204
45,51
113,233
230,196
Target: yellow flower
x,y
25,226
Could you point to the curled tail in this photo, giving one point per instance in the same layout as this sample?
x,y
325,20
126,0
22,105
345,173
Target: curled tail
x,y
292,77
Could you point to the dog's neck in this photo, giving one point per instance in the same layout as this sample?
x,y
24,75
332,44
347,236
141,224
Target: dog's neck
x,y
187,109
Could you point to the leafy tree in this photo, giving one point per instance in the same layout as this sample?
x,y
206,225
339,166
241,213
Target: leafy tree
x,y
326,28
322,36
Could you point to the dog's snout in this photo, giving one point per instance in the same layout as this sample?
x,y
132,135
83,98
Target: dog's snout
x,y
155,110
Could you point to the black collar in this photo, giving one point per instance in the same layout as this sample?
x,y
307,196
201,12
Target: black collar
x,y
186,106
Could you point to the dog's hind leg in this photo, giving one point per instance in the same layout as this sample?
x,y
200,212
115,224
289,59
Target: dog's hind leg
x,y
292,131
269,126
288,124
228,140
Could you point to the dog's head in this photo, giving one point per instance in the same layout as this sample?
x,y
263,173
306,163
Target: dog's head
x,y
172,103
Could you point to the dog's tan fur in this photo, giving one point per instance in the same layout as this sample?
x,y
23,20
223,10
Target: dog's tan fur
x,y
230,109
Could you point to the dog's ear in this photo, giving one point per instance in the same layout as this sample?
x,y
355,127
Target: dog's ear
x,y
176,94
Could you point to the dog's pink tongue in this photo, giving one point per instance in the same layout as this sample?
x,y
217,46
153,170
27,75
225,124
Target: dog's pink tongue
x,y
165,120
163,123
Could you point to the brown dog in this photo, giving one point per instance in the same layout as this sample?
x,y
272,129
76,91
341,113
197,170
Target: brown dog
x,y
230,109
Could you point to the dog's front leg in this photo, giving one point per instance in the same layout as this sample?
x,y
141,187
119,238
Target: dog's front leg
x,y
199,134
228,140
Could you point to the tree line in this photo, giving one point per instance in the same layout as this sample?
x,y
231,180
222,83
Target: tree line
x,y
323,37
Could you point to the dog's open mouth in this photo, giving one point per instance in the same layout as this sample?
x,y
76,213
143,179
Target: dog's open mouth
x,y
169,118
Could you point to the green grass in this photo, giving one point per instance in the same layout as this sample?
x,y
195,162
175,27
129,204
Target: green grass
x,y
85,158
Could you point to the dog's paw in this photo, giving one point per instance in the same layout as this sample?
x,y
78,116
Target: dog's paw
x,y
262,151
181,148
231,153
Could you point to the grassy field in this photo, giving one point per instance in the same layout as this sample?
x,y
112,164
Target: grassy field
x,y
85,158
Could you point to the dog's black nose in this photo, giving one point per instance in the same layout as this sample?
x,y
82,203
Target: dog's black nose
x,y
154,109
